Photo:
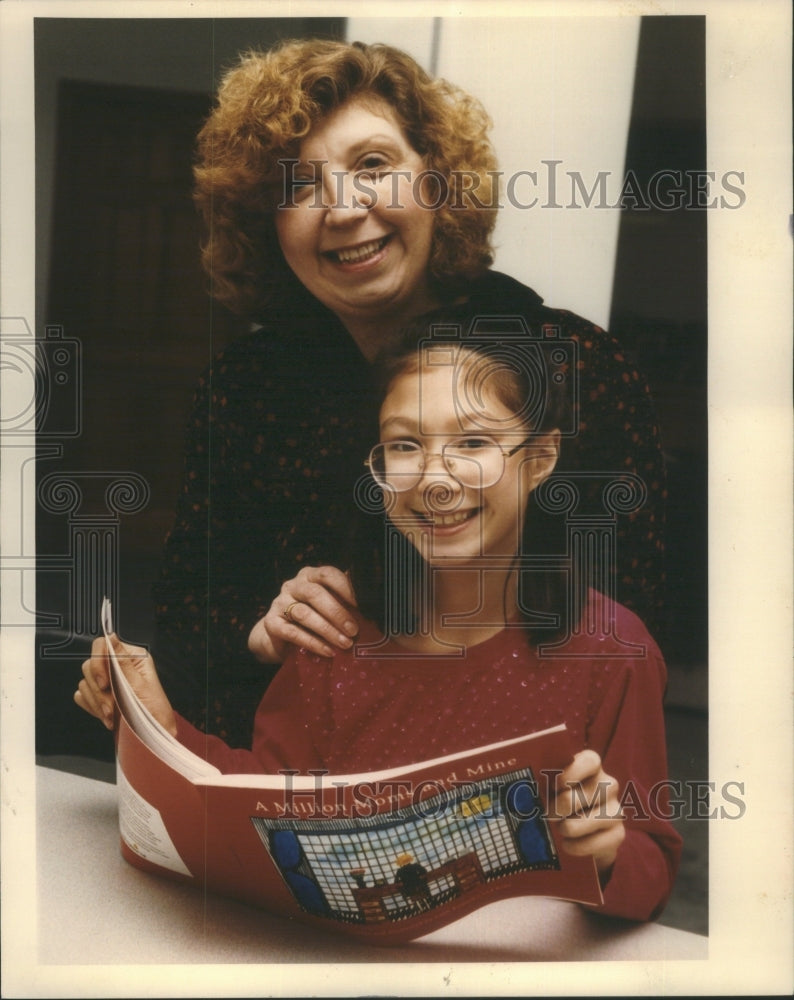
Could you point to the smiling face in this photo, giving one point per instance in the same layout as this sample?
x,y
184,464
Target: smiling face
x,y
451,523
355,234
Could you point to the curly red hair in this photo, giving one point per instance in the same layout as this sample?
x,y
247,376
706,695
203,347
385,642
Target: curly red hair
x,y
269,102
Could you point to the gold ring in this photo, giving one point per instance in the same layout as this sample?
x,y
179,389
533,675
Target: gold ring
x,y
287,613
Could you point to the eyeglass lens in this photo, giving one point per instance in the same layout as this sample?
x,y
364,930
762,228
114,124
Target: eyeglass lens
x,y
472,462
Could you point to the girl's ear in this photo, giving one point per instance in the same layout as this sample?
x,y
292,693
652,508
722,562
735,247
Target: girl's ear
x,y
543,454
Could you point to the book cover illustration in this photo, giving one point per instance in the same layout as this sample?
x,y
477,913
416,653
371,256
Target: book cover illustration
x,y
376,869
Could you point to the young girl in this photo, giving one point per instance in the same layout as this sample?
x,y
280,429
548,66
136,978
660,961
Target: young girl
x,y
468,631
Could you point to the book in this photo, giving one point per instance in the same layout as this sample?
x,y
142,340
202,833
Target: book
x,y
385,857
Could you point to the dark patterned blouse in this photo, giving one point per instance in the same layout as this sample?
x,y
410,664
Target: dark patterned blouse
x,y
277,438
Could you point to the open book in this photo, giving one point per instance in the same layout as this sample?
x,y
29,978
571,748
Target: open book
x,y
386,856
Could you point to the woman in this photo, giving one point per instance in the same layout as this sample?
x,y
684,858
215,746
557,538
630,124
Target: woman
x,y
336,185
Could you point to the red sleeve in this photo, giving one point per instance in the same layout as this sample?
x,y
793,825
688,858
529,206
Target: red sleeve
x,y
293,714
227,759
628,732
285,728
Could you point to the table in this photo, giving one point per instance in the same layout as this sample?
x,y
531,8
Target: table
x,y
93,907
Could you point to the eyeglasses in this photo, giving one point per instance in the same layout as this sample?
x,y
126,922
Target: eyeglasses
x,y
472,461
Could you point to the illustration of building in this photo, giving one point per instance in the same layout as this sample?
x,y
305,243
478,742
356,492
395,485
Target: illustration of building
x,y
444,846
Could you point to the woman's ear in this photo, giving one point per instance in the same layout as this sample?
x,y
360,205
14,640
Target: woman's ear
x,y
543,454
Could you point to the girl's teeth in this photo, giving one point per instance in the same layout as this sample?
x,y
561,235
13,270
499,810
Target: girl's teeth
x,y
457,518
355,254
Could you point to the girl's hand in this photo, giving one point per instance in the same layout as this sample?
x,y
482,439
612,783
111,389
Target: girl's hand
x,y
587,806
94,695
310,612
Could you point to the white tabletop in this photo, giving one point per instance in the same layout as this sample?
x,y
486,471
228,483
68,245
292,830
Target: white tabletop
x,y
82,876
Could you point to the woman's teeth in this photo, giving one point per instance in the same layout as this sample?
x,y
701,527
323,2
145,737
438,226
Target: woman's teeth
x,y
354,255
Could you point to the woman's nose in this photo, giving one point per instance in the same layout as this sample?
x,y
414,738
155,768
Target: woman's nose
x,y
344,202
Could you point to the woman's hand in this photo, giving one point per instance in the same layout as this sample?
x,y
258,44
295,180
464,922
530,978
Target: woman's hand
x,y
587,806
311,611
93,692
